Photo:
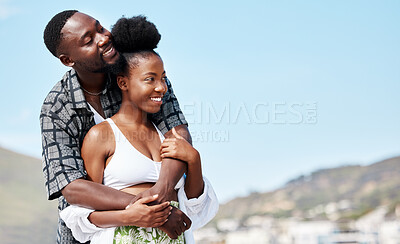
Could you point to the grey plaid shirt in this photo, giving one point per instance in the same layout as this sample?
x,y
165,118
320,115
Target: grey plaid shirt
x,y
65,119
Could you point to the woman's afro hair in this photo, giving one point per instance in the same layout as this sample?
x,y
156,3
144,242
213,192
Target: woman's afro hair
x,y
52,32
135,34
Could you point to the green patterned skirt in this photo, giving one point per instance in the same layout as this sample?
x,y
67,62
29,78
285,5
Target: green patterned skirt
x,y
134,234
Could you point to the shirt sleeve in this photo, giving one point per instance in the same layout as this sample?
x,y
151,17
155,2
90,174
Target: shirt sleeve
x,y
76,218
62,162
200,210
170,114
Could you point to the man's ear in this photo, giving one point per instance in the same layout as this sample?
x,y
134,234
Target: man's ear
x,y
65,60
122,82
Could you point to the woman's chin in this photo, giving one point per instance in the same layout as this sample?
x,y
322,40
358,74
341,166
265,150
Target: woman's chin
x,y
153,110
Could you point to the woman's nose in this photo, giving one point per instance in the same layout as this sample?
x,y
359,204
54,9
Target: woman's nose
x,y
161,87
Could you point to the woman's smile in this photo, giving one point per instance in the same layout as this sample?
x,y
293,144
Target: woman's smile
x,y
157,100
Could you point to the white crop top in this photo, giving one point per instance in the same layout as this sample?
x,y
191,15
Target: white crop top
x,y
97,117
128,166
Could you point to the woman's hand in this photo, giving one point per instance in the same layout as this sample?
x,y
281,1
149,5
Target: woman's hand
x,y
179,148
142,215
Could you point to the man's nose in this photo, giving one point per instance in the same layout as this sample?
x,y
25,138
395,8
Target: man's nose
x,y
104,39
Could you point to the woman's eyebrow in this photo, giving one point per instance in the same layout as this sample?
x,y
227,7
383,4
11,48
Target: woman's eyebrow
x,y
150,73
153,73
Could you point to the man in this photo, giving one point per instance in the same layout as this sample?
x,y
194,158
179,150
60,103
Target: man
x,y
80,42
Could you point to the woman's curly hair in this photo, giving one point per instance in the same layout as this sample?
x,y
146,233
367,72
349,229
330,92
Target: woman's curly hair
x,y
134,37
135,34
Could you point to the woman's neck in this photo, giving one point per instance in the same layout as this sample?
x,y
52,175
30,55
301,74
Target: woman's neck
x,y
130,113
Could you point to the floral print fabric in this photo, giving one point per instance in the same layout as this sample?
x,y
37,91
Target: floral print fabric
x,y
134,234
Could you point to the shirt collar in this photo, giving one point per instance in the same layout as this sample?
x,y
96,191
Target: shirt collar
x,y
74,91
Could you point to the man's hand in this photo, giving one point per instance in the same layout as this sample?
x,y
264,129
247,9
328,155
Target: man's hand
x,y
177,223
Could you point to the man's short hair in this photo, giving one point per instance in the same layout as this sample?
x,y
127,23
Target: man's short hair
x,y
52,33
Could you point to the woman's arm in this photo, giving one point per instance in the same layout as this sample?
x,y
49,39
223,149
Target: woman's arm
x,y
93,194
181,149
171,171
97,149
137,214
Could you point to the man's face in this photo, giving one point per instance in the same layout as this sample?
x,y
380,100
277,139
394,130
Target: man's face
x,y
87,44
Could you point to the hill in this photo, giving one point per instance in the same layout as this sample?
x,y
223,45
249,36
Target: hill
x,y
25,213
341,193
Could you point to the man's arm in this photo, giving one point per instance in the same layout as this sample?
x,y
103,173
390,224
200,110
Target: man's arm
x,y
181,149
170,116
93,195
171,169
64,171
182,131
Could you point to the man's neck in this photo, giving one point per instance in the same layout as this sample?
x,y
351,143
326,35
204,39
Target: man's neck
x,y
93,82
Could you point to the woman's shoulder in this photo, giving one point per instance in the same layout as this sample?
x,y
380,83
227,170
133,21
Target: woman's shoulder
x,y
99,133
98,141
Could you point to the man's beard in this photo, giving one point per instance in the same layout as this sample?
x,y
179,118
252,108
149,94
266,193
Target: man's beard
x,y
115,68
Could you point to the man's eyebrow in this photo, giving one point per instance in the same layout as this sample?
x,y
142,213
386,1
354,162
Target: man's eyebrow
x,y
89,31
85,35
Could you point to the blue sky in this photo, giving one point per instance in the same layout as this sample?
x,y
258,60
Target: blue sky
x,y
272,89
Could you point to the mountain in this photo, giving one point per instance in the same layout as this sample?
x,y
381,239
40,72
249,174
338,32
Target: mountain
x,y
25,213
341,193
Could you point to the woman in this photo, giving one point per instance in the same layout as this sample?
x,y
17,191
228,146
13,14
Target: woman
x,y
127,150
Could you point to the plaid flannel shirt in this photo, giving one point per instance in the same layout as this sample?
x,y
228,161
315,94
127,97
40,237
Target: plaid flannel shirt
x,y
65,119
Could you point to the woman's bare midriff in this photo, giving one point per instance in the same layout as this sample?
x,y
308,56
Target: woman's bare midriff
x,y
136,189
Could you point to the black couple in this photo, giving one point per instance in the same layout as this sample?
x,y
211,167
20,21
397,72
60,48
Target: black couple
x,y
116,148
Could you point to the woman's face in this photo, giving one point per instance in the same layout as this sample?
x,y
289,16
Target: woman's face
x,y
145,84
